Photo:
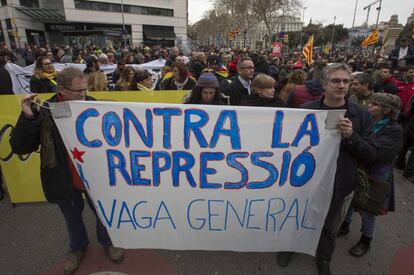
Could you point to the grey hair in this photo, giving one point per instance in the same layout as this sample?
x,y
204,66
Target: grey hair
x,y
329,69
65,77
241,61
390,101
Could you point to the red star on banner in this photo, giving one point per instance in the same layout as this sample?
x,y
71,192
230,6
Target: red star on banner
x,y
77,154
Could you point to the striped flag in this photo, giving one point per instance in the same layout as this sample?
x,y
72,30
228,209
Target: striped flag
x,y
371,39
307,50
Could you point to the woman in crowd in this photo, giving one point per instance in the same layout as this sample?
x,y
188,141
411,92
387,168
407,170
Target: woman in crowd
x,y
97,82
206,91
44,76
297,77
144,80
126,81
263,93
180,79
384,109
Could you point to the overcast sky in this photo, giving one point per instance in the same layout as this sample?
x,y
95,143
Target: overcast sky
x,y
323,11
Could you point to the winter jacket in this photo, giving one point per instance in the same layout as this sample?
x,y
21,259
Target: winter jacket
x,y
256,100
235,90
409,58
28,135
312,90
359,148
168,84
42,85
6,84
388,140
405,91
388,85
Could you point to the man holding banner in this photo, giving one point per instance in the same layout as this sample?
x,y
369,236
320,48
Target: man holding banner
x,y
356,147
60,180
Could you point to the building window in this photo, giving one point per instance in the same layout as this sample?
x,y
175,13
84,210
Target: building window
x,y
29,3
3,3
100,6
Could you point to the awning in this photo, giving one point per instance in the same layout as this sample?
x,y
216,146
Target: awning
x,y
43,15
158,32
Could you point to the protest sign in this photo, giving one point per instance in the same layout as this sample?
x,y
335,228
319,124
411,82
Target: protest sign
x,y
22,173
209,178
21,75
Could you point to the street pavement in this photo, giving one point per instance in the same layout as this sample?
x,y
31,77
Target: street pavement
x,y
33,240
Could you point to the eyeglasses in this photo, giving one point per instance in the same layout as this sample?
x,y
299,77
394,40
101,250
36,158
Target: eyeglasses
x,y
338,81
76,91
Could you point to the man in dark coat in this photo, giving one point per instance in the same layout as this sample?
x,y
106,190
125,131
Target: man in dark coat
x,y
240,85
357,146
60,180
6,84
402,55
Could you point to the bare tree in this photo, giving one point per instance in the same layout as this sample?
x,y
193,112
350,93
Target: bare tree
x,y
270,12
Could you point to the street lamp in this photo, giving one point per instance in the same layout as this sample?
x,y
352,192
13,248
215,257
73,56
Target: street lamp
x,y
123,23
303,23
332,38
353,24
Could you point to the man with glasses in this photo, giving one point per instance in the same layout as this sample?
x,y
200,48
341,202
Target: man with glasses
x,y
60,180
357,146
240,86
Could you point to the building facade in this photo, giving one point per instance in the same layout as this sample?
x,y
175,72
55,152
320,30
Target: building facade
x,y
104,23
261,36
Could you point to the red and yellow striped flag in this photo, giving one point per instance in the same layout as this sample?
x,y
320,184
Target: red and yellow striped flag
x,y
307,50
371,39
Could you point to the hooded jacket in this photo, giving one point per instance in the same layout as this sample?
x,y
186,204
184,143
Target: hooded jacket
x,y
311,91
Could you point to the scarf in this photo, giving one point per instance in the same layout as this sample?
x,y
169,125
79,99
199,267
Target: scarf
x,y
50,76
144,88
380,124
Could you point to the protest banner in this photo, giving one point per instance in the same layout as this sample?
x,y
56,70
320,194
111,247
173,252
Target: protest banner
x,y
22,173
21,75
277,49
211,178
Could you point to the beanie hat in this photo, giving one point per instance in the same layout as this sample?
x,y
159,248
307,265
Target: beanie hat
x,y
208,80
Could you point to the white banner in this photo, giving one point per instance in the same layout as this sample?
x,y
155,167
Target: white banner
x,y
205,178
21,75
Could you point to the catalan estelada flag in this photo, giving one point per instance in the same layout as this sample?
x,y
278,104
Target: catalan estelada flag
x,y
371,39
307,50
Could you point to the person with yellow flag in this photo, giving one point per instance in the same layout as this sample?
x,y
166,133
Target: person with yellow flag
x,y
307,50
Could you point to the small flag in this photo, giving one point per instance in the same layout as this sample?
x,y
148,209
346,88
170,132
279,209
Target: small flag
x,y
307,50
371,39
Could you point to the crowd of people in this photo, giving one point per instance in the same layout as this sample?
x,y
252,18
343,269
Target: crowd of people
x,y
377,129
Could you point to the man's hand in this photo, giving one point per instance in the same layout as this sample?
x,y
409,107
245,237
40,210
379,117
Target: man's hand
x,y
26,105
345,126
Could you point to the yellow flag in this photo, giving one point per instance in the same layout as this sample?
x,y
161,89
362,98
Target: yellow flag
x,y
371,39
307,50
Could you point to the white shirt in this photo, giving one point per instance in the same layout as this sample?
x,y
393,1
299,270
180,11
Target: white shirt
x,y
246,84
403,52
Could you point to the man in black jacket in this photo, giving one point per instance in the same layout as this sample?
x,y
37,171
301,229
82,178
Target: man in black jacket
x,y
60,180
402,55
357,146
240,86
